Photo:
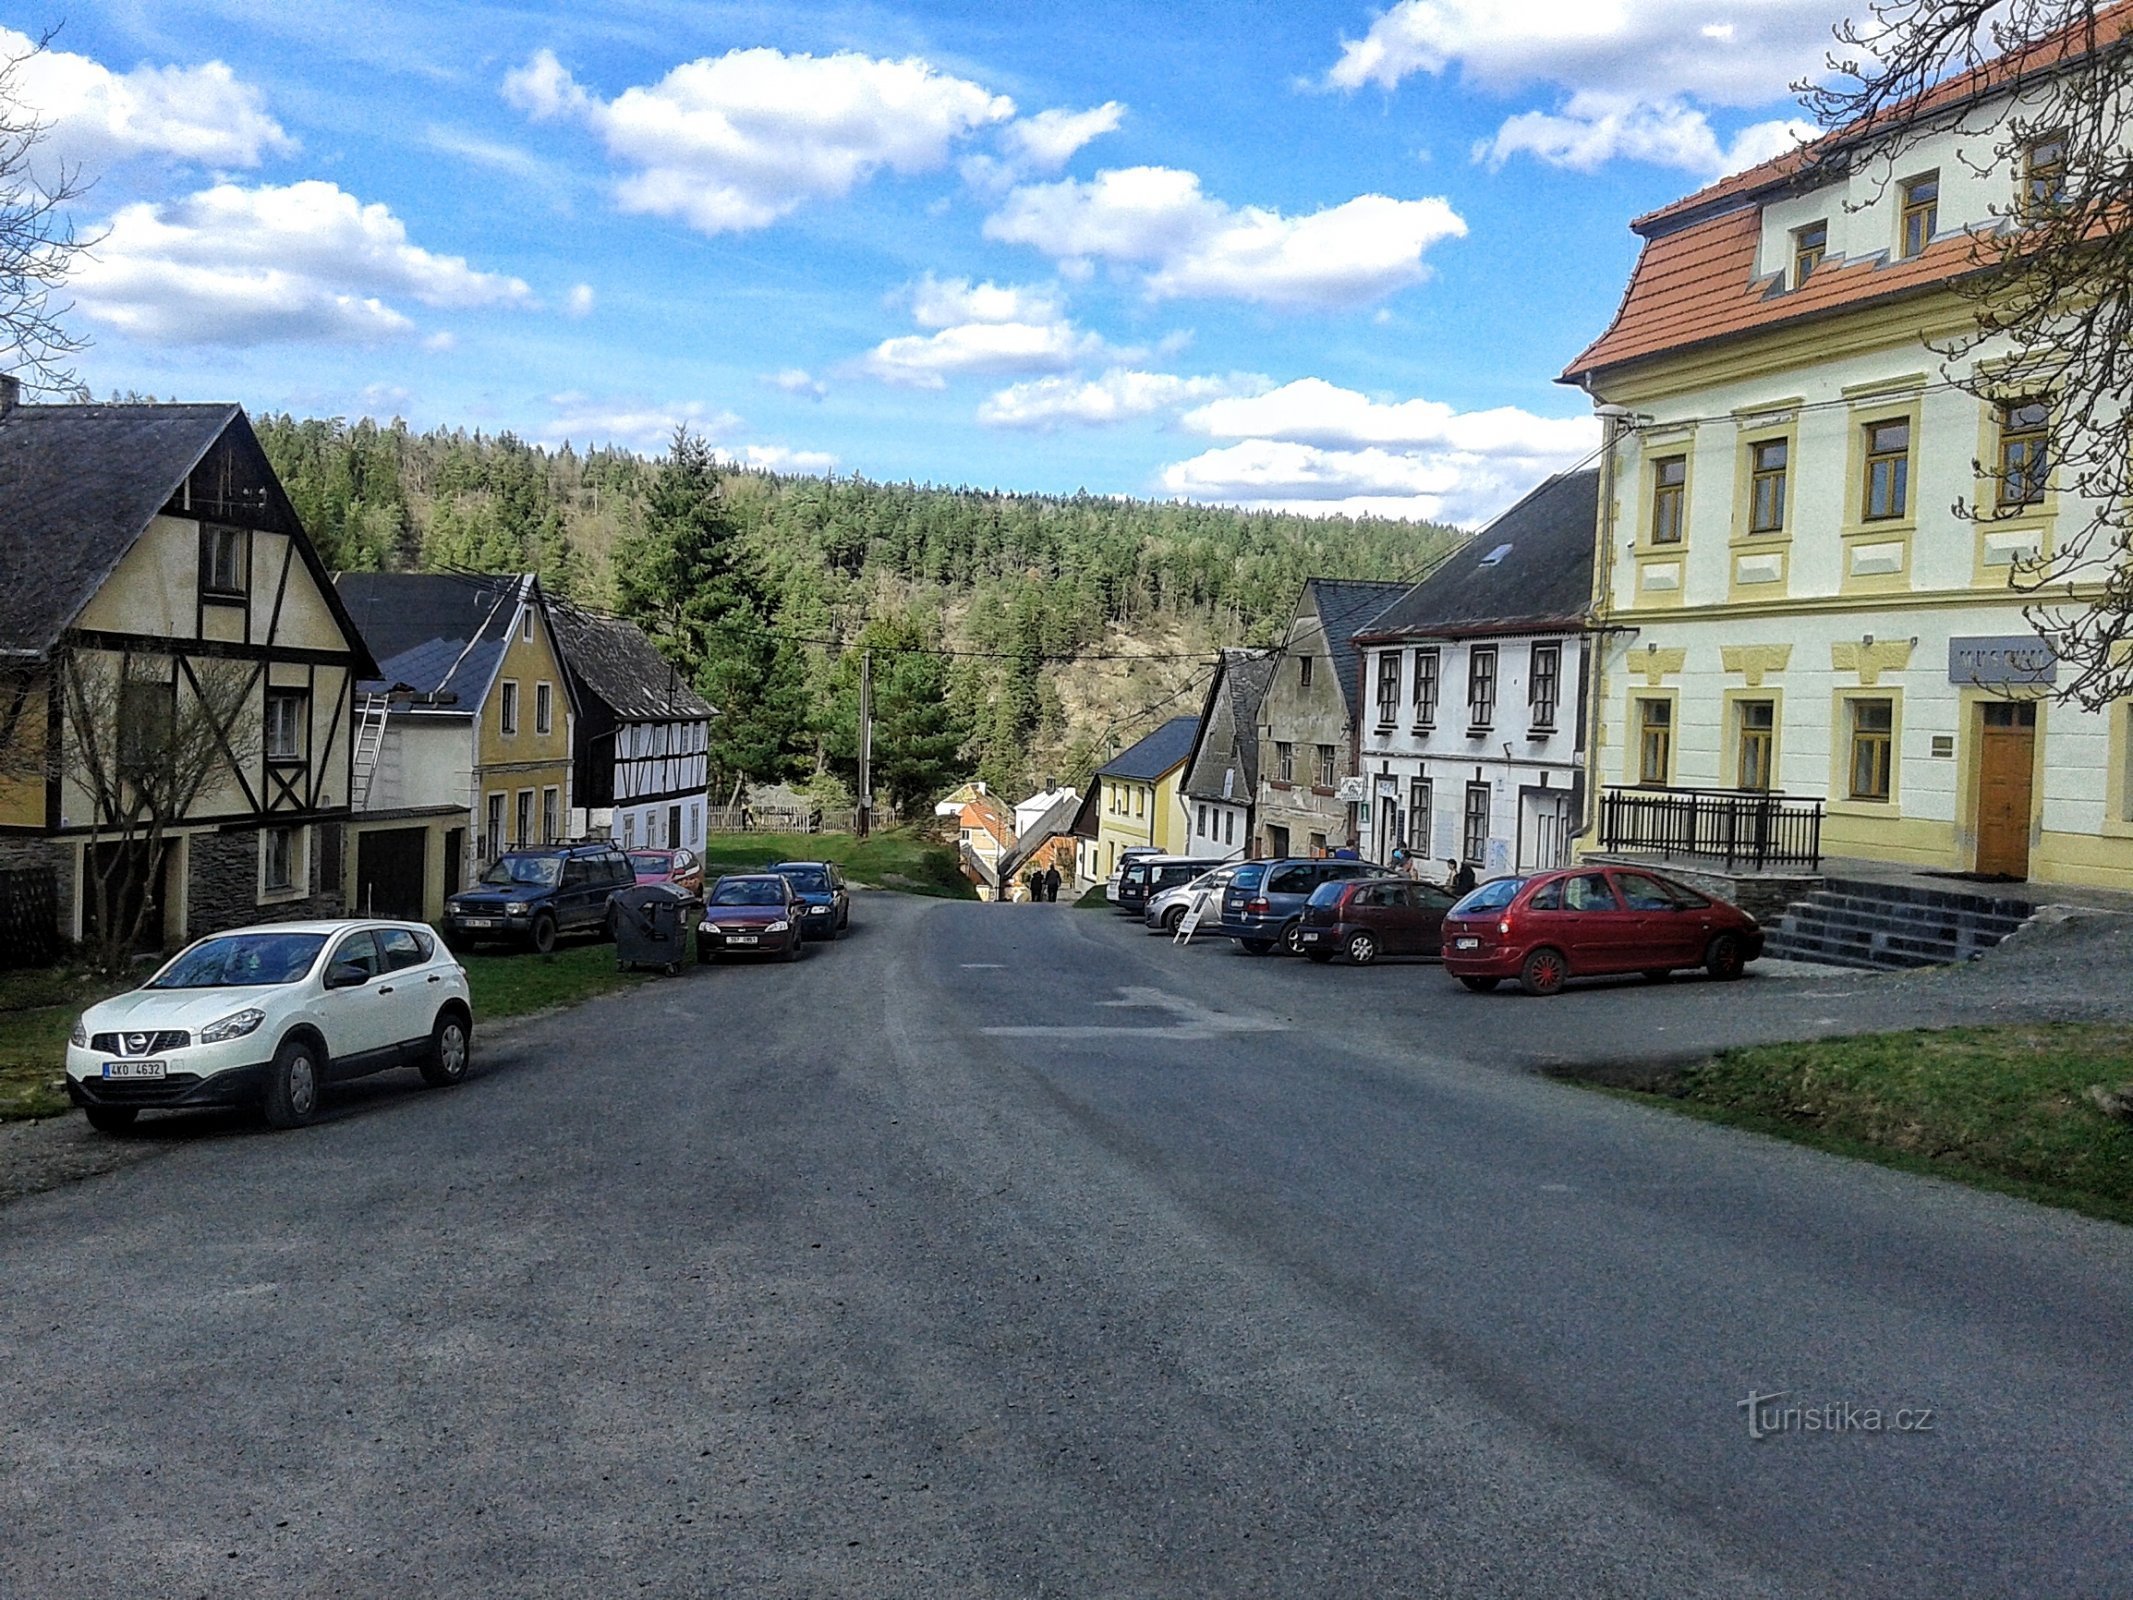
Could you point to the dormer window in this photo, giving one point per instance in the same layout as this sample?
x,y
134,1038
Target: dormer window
x,y
1809,245
1921,213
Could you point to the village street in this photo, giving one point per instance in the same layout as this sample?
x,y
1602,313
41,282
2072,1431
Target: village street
x,y
1004,1250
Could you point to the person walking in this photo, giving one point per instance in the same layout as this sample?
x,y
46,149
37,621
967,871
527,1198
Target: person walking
x,y
1051,885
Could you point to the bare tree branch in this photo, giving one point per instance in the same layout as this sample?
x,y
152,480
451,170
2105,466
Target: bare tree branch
x,y
38,244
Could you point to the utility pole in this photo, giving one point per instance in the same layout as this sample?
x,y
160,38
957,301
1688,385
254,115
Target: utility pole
x,y
866,742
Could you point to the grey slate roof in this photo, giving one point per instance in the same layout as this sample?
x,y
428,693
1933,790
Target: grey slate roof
x,y
612,658
1541,583
420,625
1242,681
78,485
1344,605
1155,755
1057,820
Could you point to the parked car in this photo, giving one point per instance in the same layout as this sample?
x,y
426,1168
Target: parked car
x,y
1144,876
269,1016
1166,908
1132,853
1263,904
826,908
1581,921
535,895
678,869
751,914
1362,920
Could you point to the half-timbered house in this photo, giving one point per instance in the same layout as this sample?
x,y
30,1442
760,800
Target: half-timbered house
x,y
641,750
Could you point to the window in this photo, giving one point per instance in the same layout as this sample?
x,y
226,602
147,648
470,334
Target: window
x,y
1921,213
1481,686
358,950
1809,245
1201,827
552,820
1318,844
507,711
1419,802
1284,761
1655,740
544,708
1303,672
1589,892
1388,688
1140,802
1425,688
525,818
1325,766
1474,841
2044,174
1544,683
148,711
525,623
277,858
1670,481
403,948
1888,469
2023,425
1873,727
1767,461
222,561
285,724
629,830
494,845
1757,729
1229,828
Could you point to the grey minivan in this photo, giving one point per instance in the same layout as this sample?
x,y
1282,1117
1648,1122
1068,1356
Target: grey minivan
x,y
1263,905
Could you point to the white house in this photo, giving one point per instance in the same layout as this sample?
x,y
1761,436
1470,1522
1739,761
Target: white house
x,y
641,745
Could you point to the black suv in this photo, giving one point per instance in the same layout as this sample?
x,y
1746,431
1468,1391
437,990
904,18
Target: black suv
x,y
533,895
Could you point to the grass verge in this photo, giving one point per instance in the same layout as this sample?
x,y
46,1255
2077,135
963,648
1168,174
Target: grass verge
x,y
37,1012
513,983
900,858
2002,1108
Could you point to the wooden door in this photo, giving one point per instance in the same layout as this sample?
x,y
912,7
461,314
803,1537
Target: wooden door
x,y
2006,769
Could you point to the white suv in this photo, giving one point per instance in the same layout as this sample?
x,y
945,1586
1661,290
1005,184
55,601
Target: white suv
x,y
269,1016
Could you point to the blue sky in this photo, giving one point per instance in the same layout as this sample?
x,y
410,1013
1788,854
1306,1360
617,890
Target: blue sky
x,y
1327,256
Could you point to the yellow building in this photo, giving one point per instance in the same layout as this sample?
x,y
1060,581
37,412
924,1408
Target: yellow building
x,y
1135,798
464,750
176,677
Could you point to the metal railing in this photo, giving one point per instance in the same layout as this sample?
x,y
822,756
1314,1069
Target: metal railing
x,y
1740,827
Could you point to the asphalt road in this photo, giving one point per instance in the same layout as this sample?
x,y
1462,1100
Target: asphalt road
x,y
1002,1250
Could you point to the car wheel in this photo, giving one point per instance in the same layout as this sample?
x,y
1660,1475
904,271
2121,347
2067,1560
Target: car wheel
x,y
1362,949
1543,972
1292,939
1478,984
543,936
451,1051
295,1082
111,1119
1171,919
1319,956
1725,961
1255,947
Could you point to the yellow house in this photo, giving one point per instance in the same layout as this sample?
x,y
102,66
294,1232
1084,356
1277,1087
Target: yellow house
x,y
176,677
1135,798
463,747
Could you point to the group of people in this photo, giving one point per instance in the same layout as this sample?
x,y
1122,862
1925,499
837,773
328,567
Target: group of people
x,y
1458,875
1043,886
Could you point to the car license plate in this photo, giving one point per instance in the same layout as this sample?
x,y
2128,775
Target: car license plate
x,y
741,938
1466,944
136,1069
1310,938
478,922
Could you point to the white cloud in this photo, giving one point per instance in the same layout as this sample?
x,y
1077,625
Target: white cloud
x,y
1313,446
1634,77
777,458
580,301
1189,244
1047,141
799,381
95,117
235,265
1114,396
944,302
736,142
927,361
633,425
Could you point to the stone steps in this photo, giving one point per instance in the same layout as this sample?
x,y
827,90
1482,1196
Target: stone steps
x,y
1883,926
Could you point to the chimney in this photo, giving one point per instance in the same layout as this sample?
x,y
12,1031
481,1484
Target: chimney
x,y
10,392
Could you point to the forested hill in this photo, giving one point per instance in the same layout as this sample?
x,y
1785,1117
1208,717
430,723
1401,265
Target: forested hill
x,y
1017,583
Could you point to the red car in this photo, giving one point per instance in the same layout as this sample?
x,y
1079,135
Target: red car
x,y
677,868
1582,921
1362,920
751,914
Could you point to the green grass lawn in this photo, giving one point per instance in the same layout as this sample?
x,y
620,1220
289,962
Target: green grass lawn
x,y
898,859
2002,1107
37,1011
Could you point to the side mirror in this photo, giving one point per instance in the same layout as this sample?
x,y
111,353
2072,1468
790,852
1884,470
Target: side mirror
x,y
347,975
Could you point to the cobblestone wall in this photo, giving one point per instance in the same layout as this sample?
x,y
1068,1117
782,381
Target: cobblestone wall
x,y
223,891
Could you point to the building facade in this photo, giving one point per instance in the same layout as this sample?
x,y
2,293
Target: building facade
x,y
1222,773
640,740
1795,606
1134,801
1472,746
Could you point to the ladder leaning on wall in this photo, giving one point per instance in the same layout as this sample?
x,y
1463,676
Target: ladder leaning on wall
x,y
369,741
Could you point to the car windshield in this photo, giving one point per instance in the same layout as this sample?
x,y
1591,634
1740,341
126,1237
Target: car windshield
x,y
1491,896
749,892
808,880
651,861
241,960
541,870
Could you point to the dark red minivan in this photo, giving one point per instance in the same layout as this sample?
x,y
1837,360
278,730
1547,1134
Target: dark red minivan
x,y
1580,922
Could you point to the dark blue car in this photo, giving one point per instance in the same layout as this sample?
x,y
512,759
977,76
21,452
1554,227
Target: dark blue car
x,y
1263,905
820,887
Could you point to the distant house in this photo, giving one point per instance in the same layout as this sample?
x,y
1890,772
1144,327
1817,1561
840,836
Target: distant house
x,y
1307,721
1134,798
151,548
1473,744
1222,772
986,835
464,747
1044,838
641,739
